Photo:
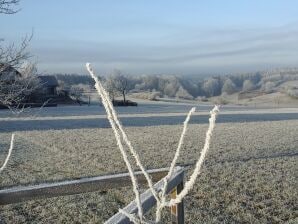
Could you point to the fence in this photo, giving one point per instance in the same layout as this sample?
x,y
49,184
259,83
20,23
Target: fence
x,y
100,183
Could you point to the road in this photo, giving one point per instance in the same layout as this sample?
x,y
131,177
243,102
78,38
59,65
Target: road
x,y
137,120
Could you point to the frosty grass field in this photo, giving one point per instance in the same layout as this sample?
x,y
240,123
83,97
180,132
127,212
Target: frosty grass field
x,y
250,175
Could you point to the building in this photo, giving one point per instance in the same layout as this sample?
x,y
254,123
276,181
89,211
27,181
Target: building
x,y
49,85
8,73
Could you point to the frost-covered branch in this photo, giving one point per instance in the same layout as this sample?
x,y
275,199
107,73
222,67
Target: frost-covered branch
x,y
173,164
105,101
190,183
9,153
126,140
16,89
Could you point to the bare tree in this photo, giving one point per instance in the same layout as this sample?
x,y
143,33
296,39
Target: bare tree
x,y
248,85
77,92
228,87
7,6
10,54
120,83
16,87
211,87
183,94
171,86
111,88
13,56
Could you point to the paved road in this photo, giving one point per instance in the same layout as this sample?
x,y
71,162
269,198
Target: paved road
x,y
27,125
143,108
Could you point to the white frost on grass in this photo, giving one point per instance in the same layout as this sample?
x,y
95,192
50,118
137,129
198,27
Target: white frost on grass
x,y
9,153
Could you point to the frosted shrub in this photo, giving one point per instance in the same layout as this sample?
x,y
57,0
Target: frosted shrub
x,y
121,138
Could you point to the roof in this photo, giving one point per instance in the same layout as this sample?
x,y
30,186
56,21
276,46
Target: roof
x,y
8,73
48,80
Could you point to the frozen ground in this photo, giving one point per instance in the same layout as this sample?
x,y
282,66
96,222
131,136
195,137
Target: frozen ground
x,y
250,175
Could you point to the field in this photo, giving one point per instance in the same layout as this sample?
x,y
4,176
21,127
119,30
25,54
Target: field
x,y
250,175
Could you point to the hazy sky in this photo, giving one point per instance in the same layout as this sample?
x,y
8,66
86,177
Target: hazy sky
x,y
157,36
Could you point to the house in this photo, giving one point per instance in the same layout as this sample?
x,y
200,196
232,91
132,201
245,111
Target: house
x,y
48,92
49,85
8,73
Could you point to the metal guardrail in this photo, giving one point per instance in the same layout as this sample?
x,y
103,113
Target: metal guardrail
x,y
18,194
175,186
69,187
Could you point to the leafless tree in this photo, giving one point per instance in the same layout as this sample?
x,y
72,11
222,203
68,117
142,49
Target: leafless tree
x,y
10,54
248,85
120,83
7,6
16,87
211,87
228,87
14,56
17,76
10,90
111,88
77,92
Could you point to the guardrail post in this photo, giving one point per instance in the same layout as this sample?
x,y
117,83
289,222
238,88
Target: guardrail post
x,y
177,211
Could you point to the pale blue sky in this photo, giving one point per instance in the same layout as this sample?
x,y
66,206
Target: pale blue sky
x,y
157,36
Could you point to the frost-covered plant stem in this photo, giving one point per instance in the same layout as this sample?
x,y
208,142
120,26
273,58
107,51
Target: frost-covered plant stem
x,y
126,140
190,183
105,102
173,164
131,149
9,153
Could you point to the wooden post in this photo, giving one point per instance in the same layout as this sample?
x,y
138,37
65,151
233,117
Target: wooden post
x,y
177,211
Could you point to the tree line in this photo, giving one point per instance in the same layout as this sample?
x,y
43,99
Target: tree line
x,y
118,83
